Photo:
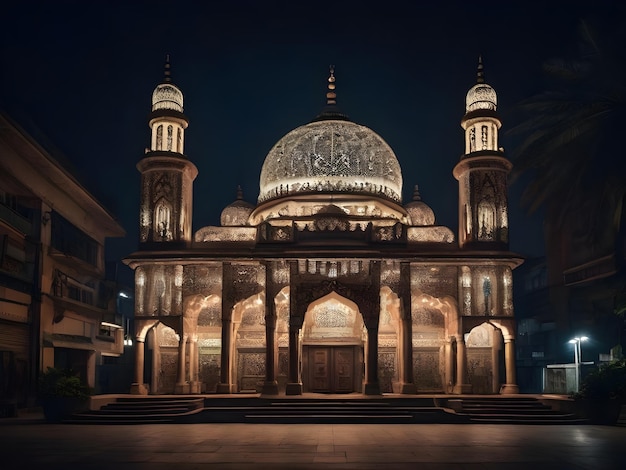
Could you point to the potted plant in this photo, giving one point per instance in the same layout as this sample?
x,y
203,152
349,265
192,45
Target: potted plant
x,y
603,392
62,393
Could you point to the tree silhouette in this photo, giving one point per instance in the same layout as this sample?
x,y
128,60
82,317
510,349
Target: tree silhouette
x,y
572,138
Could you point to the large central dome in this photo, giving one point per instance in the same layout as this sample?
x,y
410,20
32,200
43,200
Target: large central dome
x,y
331,155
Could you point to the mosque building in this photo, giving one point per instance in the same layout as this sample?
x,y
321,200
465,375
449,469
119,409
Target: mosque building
x,y
329,284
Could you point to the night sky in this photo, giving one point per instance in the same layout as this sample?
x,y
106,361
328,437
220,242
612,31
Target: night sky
x,y
80,76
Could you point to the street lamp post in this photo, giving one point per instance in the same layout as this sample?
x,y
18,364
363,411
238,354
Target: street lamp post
x,y
578,356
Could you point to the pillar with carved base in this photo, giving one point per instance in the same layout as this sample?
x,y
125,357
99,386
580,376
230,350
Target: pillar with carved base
x,y
294,386
510,387
372,386
138,387
270,387
461,368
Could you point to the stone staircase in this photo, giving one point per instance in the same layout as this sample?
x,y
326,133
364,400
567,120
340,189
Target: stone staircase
x,y
354,410
513,410
140,410
335,410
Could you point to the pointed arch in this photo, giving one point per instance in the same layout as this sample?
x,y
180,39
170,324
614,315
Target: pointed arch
x,y
162,220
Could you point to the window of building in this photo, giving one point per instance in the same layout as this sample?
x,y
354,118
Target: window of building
x,y
70,240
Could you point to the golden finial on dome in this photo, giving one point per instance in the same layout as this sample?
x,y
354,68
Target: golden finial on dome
x,y
239,193
168,72
331,96
480,75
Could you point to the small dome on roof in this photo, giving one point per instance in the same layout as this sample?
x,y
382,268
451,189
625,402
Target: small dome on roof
x,y
420,213
481,95
237,213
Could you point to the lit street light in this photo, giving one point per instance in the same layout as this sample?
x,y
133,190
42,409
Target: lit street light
x,y
578,356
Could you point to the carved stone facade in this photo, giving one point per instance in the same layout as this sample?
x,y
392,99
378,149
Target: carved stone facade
x,y
328,284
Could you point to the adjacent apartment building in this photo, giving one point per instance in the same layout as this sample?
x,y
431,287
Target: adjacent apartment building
x,y
56,308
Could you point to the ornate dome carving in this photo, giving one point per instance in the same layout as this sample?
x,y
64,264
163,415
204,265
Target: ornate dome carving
x,y
331,156
481,95
167,95
237,213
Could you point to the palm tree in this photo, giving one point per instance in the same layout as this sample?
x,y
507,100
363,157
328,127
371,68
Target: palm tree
x,y
573,143
572,147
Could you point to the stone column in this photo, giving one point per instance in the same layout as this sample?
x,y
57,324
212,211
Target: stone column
x,y
194,384
510,387
372,385
449,358
408,384
294,386
182,386
138,387
270,387
461,366
406,325
225,385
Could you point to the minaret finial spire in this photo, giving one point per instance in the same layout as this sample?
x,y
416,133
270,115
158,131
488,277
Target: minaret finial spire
x,y
416,193
168,72
480,75
331,96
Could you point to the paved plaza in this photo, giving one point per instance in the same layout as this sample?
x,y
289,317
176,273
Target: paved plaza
x,y
311,446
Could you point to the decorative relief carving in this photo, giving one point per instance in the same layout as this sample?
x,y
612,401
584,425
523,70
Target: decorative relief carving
x,y
427,338
330,156
386,370
167,373
480,370
390,233
427,317
331,223
367,299
209,370
210,343
427,373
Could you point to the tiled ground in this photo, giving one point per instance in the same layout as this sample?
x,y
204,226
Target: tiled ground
x,y
317,446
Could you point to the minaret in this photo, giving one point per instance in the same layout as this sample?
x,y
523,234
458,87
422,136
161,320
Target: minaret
x,y
482,172
166,173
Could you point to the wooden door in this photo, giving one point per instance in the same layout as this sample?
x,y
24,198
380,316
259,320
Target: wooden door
x,y
331,369
319,369
343,370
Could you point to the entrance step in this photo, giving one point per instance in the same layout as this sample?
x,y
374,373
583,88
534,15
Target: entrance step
x,y
392,410
511,410
134,410
301,410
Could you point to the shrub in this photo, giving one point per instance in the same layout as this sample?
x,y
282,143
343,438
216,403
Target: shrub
x,y
606,382
62,383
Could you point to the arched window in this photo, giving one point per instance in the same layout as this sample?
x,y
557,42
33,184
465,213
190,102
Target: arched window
x,y
162,217
159,138
170,132
486,220
179,141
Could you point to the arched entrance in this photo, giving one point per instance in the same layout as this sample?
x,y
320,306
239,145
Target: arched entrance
x,y
333,337
485,358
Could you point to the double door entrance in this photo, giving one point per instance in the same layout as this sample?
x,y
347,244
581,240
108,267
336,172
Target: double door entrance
x,y
333,369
